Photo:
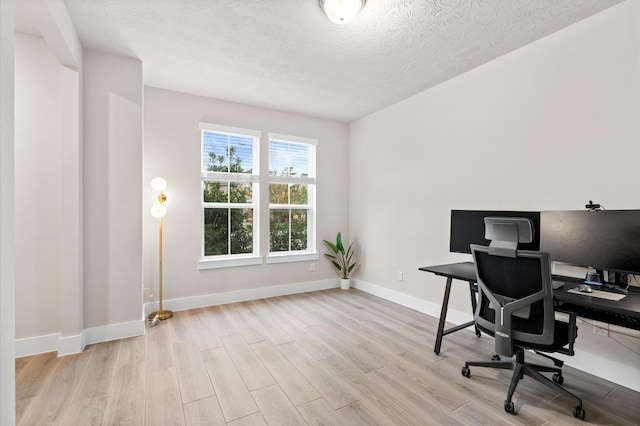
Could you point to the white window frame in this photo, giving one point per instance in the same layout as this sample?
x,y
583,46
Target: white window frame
x,y
311,252
230,260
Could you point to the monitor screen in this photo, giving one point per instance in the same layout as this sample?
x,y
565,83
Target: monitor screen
x,y
467,227
604,239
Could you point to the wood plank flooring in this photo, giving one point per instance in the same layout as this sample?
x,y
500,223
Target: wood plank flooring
x,y
325,358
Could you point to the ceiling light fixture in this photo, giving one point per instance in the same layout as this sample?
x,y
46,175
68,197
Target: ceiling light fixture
x,y
341,11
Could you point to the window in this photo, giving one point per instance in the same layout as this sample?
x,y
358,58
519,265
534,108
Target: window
x,y
291,195
229,180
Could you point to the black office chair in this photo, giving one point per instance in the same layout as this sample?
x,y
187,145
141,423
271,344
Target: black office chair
x,y
515,306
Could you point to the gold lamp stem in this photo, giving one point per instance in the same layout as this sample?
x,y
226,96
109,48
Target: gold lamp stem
x,y
161,313
160,263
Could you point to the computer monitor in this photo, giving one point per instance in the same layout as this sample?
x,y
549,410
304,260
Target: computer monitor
x,y
467,227
607,240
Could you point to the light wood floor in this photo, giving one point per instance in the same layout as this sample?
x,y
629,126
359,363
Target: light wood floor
x,y
331,357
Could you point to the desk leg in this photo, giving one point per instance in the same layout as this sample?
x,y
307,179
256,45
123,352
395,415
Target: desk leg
x,y
474,302
443,316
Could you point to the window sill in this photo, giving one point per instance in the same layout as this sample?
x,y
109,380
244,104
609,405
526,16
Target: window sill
x,y
229,262
292,257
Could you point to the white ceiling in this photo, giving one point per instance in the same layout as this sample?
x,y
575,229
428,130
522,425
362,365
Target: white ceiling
x,y
286,54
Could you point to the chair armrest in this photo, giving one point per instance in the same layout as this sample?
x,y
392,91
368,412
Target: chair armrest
x,y
572,333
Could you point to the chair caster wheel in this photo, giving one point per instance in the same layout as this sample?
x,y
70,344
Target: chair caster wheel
x,y
466,372
557,378
495,357
578,412
509,407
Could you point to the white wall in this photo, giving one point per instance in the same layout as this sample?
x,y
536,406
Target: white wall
x,y
548,126
38,187
7,215
172,150
112,192
78,211
49,184
61,117
71,207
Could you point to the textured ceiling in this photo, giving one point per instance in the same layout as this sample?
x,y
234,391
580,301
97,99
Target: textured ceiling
x,y
286,55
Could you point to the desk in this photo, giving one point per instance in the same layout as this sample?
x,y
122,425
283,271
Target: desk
x,y
624,313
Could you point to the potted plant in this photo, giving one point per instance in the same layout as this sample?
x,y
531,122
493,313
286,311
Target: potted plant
x,y
341,259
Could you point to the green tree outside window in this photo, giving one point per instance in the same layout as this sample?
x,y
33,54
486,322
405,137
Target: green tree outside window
x,y
227,230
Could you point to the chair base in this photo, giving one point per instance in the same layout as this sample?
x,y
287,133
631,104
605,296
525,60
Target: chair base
x,y
520,369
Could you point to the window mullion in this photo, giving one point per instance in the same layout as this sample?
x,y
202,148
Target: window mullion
x,y
229,230
292,179
290,220
233,177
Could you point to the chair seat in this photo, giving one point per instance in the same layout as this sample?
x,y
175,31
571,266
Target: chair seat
x,y
560,338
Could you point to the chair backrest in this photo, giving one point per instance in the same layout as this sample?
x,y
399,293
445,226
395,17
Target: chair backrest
x,y
515,297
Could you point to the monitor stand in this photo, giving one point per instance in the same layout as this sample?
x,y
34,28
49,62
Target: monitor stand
x,y
596,278
618,278
615,282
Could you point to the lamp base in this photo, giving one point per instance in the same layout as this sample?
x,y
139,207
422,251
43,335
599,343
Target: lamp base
x,y
163,315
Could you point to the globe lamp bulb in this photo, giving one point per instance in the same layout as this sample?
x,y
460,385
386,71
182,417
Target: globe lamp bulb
x,y
158,184
158,211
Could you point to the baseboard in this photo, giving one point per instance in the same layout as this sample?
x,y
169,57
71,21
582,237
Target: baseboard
x,y
607,369
117,331
415,303
240,295
37,345
49,343
71,344
74,344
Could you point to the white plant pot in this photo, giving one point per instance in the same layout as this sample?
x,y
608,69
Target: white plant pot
x,y
345,284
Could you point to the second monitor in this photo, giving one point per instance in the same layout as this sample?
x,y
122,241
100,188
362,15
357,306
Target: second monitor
x,y
607,240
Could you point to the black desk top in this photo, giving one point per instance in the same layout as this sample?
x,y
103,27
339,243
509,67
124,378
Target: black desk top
x,y
465,271
628,307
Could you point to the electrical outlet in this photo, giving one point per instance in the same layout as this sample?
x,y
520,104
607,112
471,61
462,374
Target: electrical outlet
x,y
399,275
312,267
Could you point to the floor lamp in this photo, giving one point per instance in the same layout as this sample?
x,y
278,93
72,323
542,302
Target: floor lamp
x,y
159,211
